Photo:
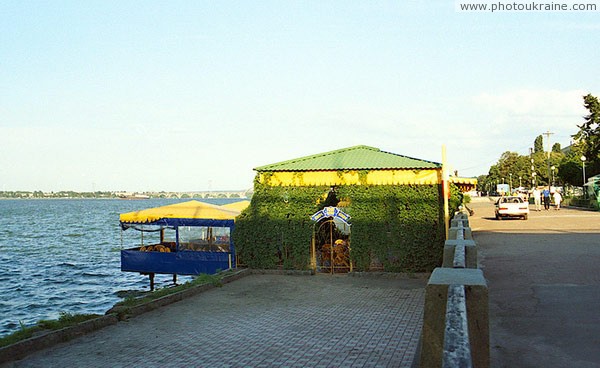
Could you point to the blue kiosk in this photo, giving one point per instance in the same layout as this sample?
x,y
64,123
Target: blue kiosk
x,y
195,238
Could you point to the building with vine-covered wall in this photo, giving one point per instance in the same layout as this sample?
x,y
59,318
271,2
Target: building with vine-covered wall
x,y
394,204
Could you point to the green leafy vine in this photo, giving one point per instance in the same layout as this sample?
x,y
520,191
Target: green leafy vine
x,y
399,226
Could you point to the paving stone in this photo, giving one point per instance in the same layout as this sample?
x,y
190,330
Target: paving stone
x,y
263,321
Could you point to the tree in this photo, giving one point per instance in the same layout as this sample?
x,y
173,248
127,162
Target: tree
x,y
570,169
589,133
482,183
556,147
509,167
538,144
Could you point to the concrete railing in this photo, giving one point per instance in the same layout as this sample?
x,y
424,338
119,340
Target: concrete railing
x,y
456,315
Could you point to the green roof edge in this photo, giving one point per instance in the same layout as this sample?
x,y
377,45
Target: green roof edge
x,y
270,167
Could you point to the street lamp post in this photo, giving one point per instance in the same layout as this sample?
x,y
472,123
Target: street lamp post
x,y
553,168
520,182
549,189
532,174
583,166
510,182
548,162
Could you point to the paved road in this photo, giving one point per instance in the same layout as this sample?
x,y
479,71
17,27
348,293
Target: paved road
x,y
544,283
263,321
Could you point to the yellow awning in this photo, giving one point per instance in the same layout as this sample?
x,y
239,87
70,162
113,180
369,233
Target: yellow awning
x,y
237,206
460,180
464,184
184,210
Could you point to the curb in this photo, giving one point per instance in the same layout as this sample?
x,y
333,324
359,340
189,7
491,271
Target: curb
x,y
392,275
21,349
580,208
282,272
124,313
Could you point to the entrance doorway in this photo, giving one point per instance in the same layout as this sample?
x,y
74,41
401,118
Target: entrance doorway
x,y
330,251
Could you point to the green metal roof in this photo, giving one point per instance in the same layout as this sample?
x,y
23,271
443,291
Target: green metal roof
x,y
351,158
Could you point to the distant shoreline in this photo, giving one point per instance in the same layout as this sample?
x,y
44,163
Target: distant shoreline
x,y
137,196
50,198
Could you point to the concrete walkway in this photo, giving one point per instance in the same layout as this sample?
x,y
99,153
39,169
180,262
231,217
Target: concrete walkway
x,y
263,321
544,286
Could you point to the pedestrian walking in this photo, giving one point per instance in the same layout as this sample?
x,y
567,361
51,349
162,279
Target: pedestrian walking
x,y
557,199
546,195
537,198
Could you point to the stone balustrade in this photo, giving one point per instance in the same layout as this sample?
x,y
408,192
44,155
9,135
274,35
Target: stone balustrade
x,y
456,316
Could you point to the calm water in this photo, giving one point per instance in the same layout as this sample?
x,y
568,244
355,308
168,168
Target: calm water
x,y
63,256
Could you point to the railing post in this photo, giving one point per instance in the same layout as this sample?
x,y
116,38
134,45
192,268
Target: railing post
x,y
453,232
436,296
470,253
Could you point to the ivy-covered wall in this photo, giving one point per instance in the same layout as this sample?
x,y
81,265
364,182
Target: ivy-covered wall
x,y
401,226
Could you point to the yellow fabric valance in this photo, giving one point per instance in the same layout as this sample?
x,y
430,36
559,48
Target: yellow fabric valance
x,y
351,177
184,210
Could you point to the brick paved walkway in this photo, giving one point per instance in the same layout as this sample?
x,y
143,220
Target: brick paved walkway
x,y
263,321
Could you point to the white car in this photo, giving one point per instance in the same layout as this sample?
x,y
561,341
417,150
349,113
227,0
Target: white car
x,y
512,207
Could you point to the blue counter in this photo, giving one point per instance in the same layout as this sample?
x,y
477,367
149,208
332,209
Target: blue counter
x,y
180,263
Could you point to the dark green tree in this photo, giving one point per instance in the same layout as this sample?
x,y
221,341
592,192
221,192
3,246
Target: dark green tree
x,y
570,168
589,134
538,144
556,147
510,167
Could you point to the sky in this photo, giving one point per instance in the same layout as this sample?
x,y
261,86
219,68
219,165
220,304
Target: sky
x,y
192,95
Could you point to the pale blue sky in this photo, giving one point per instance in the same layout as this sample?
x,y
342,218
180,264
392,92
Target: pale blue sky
x,y
191,95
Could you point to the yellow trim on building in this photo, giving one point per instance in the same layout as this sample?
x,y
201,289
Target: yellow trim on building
x,y
350,177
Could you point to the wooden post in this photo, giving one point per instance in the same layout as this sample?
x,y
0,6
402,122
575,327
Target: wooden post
x,y
313,252
151,275
445,189
350,257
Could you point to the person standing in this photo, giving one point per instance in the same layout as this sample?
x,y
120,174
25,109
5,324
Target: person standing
x,y
537,198
546,195
557,199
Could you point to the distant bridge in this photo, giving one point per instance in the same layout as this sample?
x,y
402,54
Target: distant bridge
x,y
203,194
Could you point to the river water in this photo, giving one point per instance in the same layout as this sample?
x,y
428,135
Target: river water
x,y
63,256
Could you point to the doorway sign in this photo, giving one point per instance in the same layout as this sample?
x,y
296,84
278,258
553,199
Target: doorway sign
x,y
331,212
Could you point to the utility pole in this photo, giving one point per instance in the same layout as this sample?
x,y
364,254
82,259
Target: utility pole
x,y
532,169
547,134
